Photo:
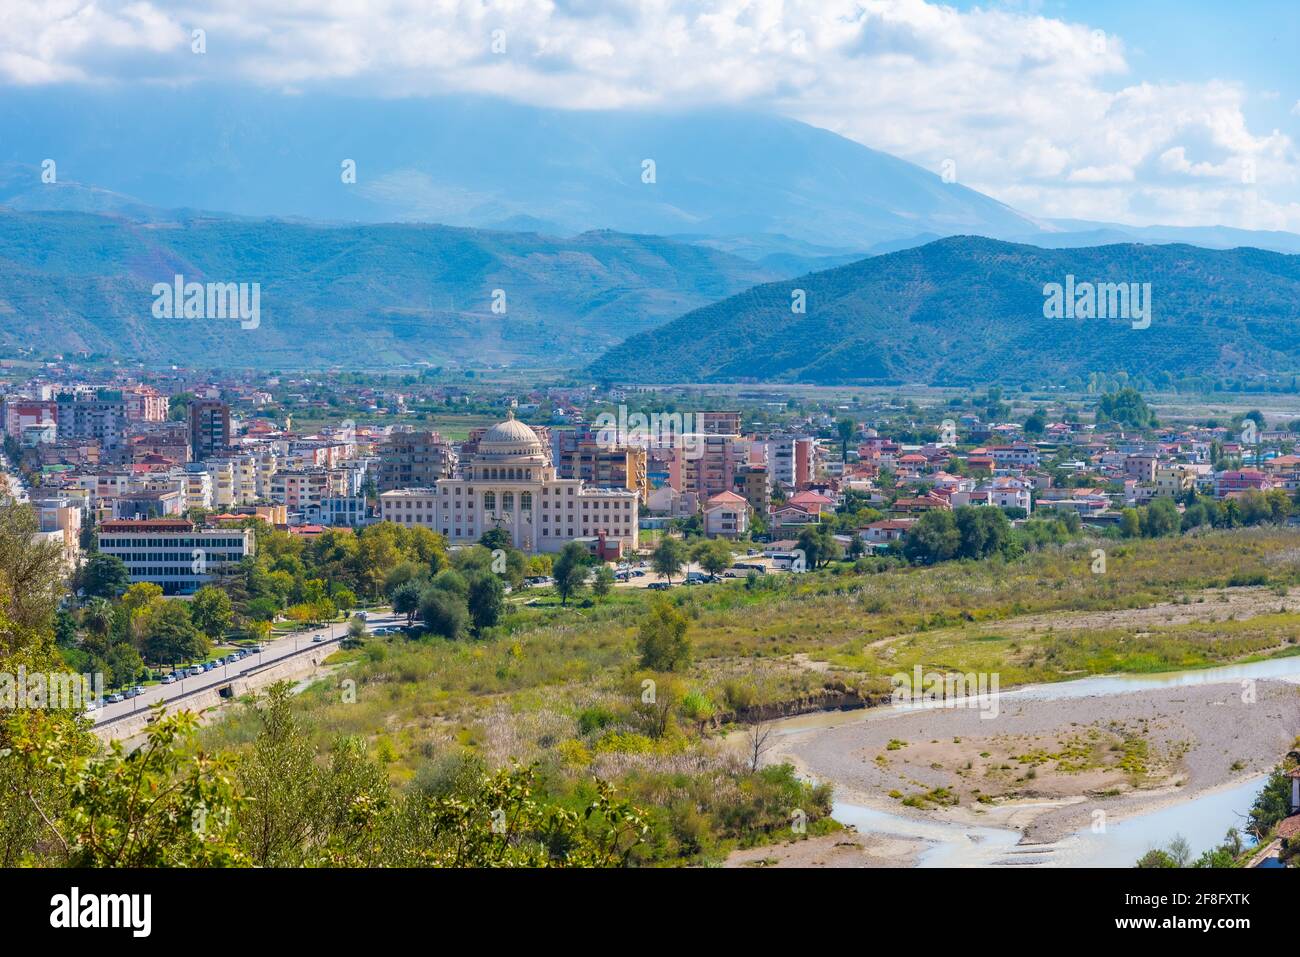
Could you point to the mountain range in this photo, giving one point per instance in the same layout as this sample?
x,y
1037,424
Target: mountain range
x,y
966,310
368,295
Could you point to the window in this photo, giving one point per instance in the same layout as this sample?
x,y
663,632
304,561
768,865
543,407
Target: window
x,y
526,501
508,501
490,501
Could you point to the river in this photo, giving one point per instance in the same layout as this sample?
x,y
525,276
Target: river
x,y
1201,820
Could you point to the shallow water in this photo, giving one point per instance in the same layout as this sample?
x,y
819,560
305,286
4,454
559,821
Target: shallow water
x,y
1202,821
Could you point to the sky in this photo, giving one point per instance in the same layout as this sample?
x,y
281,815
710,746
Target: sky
x,y
1172,112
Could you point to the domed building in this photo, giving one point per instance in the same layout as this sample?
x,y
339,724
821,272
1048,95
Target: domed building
x,y
510,483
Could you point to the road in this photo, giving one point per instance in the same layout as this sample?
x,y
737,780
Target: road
x,y
272,651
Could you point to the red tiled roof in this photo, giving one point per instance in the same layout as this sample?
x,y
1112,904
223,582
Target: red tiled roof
x,y
1289,827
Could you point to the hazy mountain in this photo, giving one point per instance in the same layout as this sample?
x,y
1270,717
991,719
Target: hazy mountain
x,y
484,163
353,295
967,309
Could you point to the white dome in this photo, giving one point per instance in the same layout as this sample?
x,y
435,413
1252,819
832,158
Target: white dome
x,y
510,437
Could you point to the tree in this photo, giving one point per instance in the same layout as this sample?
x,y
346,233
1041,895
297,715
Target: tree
x,y
1130,523
713,556
32,574
669,557
983,531
758,740
661,638
170,636
486,600
603,582
280,779
570,571
211,612
356,632
934,538
105,576
160,805
1161,518
444,612
845,428
406,600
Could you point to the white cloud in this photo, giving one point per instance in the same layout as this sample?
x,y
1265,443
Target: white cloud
x,y
1040,112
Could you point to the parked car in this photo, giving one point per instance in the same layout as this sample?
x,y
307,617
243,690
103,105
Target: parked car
x,y
317,637
659,586
169,679
115,698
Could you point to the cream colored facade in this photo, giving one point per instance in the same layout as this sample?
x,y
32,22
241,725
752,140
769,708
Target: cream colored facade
x,y
510,483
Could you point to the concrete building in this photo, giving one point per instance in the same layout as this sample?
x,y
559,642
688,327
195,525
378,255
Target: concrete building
x,y
580,455
173,553
415,460
726,515
144,403
100,416
209,428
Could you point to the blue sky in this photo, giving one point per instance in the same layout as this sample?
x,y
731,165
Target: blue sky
x,y
1135,111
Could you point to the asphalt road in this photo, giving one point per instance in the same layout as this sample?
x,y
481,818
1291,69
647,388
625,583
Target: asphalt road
x,y
271,652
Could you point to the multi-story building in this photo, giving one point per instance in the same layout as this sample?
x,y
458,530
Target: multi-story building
x,y
100,416
209,427
415,460
706,464
350,510
580,455
726,515
299,488
753,483
510,484
173,553
1175,481
409,507
23,414
792,459
144,403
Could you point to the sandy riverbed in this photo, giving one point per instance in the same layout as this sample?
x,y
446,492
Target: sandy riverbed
x,y
1047,766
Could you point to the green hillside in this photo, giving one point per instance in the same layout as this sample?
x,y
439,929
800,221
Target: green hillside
x,y
967,309
358,295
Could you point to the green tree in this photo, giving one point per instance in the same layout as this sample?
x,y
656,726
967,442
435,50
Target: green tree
x,y
603,582
444,612
570,571
661,638
211,611
280,782
934,538
486,600
170,635
669,556
406,600
105,576
714,556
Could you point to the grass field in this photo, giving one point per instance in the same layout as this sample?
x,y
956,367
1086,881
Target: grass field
x,y
562,686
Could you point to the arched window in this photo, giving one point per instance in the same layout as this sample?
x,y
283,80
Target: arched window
x,y
525,501
507,501
490,501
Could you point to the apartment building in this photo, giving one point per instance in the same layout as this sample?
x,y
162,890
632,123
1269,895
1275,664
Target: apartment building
x,y
209,427
415,460
100,415
579,455
144,403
